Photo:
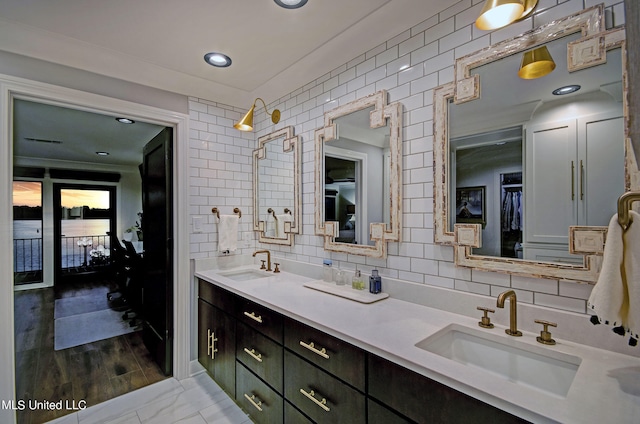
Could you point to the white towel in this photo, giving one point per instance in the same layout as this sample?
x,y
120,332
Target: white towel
x,y
280,223
615,298
228,233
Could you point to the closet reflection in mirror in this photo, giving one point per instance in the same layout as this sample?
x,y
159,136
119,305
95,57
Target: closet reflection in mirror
x,y
356,173
276,187
547,161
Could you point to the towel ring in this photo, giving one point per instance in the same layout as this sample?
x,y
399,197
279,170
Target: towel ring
x,y
216,211
287,210
272,212
624,206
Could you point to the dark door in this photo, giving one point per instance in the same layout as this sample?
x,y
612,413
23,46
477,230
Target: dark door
x,y
157,227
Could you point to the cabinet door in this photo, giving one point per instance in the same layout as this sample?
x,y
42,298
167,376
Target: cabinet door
x,y
224,358
601,159
426,401
551,174
216,345
205,326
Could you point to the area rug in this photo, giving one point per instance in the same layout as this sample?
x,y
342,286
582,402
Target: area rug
x,y
86,319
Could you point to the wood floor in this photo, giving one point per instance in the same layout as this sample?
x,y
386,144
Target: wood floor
x,y
92,372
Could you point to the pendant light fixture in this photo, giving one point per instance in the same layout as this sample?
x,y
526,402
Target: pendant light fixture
x,y
246,123
500,13
536,63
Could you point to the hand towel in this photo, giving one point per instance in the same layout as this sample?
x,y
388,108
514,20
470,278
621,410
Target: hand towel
x,y
280,223
615,297
228,233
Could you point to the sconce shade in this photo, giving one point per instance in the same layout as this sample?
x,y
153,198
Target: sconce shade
x,y
498,13
246,123
536,63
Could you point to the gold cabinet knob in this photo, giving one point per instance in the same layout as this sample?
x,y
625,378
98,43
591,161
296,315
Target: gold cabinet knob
x,y
545,335
485,322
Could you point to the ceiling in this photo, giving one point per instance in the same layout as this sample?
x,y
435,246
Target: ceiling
x,y
162,44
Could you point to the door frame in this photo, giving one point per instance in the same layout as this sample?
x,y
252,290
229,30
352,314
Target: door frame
x,y
14,87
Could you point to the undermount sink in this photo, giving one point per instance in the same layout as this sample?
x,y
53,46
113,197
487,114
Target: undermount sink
x,y
245,274
537,367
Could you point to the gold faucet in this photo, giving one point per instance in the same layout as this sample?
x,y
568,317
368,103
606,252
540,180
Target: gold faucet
x,y
513,324
268,257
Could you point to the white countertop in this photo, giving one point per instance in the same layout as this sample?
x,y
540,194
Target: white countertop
x,y
606,387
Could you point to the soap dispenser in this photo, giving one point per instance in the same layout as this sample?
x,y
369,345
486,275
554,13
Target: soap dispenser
x,y
375,282
356,281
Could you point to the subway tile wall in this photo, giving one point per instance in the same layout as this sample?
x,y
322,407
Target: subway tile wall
x,y
409,66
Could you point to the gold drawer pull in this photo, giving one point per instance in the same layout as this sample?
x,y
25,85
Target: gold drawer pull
x,y
211,343
252,401
253,316
253,354
312,396
321,352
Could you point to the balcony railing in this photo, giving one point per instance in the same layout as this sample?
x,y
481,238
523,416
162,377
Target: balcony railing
x,y
76,253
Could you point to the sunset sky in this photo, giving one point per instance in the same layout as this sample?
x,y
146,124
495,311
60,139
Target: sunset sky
x,y
27,193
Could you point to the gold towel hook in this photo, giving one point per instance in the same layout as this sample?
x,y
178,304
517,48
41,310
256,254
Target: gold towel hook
x,y
272,212
287,210
624,206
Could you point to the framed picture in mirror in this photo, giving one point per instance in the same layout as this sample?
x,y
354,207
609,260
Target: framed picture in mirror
x,y
470,205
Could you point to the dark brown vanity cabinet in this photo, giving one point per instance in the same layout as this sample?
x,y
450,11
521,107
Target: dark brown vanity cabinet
x,y
280,370
424,400
217,335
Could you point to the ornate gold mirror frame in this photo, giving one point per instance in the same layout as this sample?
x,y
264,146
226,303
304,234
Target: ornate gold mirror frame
x,y
589,50
382,115
290,143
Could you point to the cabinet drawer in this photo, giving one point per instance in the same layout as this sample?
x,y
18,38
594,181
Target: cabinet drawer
x,y
339,358
260,354
424,400
263,405
217,296
322,397
264,320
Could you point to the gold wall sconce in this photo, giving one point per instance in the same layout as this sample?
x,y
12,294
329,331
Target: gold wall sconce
x,y
499,13
536,63
246,123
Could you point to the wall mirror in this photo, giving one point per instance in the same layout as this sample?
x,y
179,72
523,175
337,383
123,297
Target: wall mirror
x,y
526,182
277,181
358,172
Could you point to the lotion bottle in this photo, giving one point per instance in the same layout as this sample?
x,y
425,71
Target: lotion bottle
x,y
375,282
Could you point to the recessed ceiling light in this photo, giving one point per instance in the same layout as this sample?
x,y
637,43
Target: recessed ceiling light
x,y
217,59
291,4
568,89
102,153
125,121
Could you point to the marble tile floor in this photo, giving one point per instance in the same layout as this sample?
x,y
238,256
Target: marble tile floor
x,y
194,400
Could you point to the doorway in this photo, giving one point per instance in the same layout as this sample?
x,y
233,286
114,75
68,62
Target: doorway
x,y
10,90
